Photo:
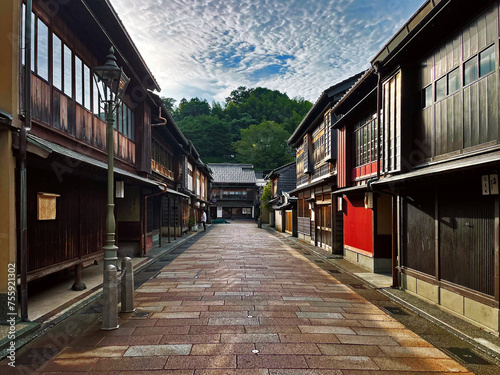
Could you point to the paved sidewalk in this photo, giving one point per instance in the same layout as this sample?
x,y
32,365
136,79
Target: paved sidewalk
x,y
239,301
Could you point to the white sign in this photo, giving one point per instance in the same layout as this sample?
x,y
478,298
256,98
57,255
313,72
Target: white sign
x,y
485,184
493,184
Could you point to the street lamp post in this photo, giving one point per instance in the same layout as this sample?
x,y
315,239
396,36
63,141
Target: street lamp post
x,y
112,83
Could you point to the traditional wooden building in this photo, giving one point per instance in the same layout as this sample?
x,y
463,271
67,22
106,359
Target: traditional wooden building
x,y
357,160
439,155
66,157
283,214
234,192
316,169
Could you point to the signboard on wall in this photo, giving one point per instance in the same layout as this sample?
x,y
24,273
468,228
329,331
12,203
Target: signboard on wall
x,y
46,208
219,211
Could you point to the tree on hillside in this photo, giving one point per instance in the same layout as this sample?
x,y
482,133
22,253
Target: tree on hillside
x,y
239,95
169,104
210,135
264,146
195,107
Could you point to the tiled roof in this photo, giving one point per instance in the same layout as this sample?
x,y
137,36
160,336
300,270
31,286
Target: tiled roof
x,y
232,173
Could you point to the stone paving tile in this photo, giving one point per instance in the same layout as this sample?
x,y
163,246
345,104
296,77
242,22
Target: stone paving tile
x,y
69,365
272,329
355,350
366,340
266,348
341,362
420,364
305,372
271,361
98,352
198,339
157,350
130,340
233,321
130,363
157,372
250,337
326,329
239,289
335,322
216,329
181,322
284,321
160,330
401,351
222,349
233,372
201,361
309,337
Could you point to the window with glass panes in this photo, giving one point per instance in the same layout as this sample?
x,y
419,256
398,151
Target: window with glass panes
x,y
319,144
364,141
68,72
300,159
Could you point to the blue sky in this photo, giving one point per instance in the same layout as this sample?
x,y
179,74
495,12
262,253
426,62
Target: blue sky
x,y
207,48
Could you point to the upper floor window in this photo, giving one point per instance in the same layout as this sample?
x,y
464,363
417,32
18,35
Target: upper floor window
x,y
78,80
162,162
189,168
42,51
68,71
319,144
57,59
198,183
234,194
300,154
364,141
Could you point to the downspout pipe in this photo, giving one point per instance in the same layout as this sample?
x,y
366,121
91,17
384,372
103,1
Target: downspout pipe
x,y
145,228
23,140
376,67
378,71
163,119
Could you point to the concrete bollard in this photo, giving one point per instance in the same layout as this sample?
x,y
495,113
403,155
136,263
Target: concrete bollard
x,y
259,222
110,299
127,286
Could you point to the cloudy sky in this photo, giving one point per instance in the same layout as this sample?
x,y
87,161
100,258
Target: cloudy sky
x,y
207,48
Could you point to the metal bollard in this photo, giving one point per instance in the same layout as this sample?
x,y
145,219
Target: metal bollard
x,y
110,299
127,286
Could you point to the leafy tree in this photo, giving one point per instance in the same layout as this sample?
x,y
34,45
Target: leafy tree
x,y
210,135
264,146
195,107
243,108
169,103
266,196
239,95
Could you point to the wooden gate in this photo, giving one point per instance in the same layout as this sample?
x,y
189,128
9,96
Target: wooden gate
x,y
288,222
323,226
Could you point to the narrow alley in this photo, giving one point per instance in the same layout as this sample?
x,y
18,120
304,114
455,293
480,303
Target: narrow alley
x,y
240,301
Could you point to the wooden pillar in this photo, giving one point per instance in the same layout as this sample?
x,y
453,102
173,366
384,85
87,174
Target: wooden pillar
x,y
161,217
168,217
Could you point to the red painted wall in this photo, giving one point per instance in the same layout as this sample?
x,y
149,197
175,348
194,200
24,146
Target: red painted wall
x,y
358,224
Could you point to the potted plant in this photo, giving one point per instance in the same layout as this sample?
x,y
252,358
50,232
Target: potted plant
x,y
192,225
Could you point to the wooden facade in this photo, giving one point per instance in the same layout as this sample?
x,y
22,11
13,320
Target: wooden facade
x,y
67,150
234,193
439,156
317,155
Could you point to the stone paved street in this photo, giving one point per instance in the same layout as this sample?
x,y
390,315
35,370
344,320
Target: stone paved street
x,y
239,301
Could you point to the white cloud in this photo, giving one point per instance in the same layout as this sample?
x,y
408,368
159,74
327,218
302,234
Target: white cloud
x,y
207,48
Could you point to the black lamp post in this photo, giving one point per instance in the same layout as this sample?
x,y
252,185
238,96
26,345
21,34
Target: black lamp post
x,y
112,83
